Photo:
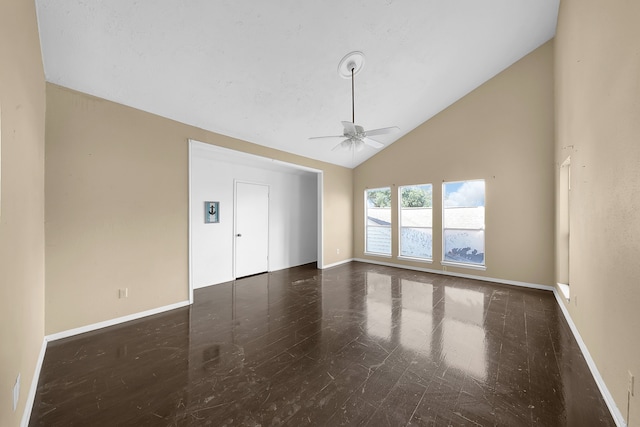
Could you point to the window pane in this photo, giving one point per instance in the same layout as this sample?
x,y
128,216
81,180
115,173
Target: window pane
x,y
416,242
379,240
416,218
379,216
466,246
463,222
464,217
378,221
415,196
465,194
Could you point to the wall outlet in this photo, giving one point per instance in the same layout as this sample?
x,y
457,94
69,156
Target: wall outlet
x,y
123,293
631,384
338,251
16,393
575,299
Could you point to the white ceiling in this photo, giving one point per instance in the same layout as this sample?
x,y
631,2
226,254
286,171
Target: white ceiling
x,y
266,71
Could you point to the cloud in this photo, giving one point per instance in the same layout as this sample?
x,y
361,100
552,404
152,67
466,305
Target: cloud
x,y
470,194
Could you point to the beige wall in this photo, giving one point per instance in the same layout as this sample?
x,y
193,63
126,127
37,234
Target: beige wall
x,y
501,132
109,165
117,208
597,65
22,103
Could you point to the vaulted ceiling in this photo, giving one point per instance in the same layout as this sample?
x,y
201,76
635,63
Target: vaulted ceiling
x,y
267,71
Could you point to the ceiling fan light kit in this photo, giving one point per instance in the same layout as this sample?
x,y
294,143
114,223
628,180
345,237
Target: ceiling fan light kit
x,y
356,136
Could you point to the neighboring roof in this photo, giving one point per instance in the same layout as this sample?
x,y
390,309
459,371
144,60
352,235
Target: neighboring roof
x,y
471,218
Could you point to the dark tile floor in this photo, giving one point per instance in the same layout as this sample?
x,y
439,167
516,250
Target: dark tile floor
x,y
353,345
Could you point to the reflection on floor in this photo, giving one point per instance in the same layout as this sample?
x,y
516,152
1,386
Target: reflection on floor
x,y
352,345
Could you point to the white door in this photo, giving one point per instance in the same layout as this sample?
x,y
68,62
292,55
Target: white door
x,y
251,229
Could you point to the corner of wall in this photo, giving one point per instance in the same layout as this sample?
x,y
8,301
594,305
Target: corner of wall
x,y
22,122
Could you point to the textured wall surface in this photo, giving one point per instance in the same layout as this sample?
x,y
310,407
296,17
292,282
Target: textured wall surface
x,y
597,68
22,110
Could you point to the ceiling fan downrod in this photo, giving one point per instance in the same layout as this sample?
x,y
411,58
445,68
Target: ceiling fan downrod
x,y
353,102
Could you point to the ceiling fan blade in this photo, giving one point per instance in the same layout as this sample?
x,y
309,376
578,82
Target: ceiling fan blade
x,y
382,131
373,143
344,145
349,129
323,137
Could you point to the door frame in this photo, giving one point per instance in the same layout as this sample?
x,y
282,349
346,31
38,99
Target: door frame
x,y
235,222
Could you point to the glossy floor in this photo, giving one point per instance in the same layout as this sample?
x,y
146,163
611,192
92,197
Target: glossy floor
x,y
353,345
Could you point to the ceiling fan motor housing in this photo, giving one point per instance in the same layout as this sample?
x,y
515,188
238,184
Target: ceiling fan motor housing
x,y
359,133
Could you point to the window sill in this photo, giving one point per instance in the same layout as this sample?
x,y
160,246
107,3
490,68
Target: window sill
x,y
408,258
564,288
378,255
461,265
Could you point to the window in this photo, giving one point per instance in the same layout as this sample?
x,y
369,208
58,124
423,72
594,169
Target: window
x,y
463,223
416,221
378,220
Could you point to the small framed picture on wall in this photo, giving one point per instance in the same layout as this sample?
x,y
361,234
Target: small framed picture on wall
x,y
211,212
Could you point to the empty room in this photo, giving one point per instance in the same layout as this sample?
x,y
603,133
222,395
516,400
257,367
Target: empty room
x,y
387,213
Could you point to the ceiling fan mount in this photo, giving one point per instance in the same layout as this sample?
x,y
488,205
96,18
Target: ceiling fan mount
x,y
356,136
352,62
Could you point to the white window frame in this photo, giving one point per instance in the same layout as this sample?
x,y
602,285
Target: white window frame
x,y
407,257
472,266
366,225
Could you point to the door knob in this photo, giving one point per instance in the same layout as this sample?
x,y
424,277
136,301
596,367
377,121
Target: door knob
x,y
238,235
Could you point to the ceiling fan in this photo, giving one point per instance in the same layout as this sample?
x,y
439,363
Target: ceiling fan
x,y
356,136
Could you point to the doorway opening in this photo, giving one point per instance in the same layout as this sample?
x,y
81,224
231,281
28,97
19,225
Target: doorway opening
x,y
295,212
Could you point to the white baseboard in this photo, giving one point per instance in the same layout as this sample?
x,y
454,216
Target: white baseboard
x,y
608,398
26,415
466,276
112,322
335,264
230,279
313,261
28,407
